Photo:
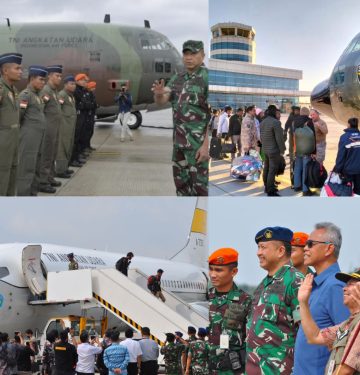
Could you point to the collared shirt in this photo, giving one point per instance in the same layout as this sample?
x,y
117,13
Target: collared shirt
x,y
133,347
223,126
150,350
86,357
327,309
116,356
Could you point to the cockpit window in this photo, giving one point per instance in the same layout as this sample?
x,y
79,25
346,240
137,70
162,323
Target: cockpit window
x,y
356,46
4,271
151,43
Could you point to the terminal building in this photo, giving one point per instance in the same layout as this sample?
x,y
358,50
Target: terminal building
x,y
236,80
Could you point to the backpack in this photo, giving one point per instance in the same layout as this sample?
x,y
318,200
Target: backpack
x,y
316,174
304,141
118,264
150,280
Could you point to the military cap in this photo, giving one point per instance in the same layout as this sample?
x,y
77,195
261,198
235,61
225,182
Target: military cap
x,y
178,333
11,58
170,336
70,255
191,330
81,76
224,256
55,69
202,332
38,71
345,277
299,239
274,234
69,79
194,46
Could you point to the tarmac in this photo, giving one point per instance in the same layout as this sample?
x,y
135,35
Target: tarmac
x,y
139,168
222,184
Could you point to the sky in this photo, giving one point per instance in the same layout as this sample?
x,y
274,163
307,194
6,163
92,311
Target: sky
x,y
144,225
234,222
307,35
183,20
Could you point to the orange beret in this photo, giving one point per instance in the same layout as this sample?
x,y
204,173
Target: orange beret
x,y
81,76
223,256
299,239
91,85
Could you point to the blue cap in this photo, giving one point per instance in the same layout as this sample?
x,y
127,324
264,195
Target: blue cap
x,y
274,234
202,332
12,57
69,79
55,69
38,70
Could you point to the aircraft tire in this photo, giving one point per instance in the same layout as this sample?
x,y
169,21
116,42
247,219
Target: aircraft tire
x,y
135,120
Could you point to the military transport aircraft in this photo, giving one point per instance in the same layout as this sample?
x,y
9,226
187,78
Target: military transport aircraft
x,y
110,54
339,96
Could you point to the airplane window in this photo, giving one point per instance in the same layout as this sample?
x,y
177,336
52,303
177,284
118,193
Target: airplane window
x,y
145,44
4,271
356,46
159,67
167,67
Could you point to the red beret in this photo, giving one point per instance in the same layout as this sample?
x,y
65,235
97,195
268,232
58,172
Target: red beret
x,y
223,256
299,239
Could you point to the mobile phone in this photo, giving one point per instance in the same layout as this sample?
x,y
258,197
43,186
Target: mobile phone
x,y
92,337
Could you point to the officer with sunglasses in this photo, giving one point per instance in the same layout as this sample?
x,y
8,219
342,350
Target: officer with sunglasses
x,y
326,304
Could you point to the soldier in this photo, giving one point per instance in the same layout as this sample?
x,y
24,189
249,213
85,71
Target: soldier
x,y
188,92
171,353
273,323
73,265
32,130
67,130
124,101
10,69
248,130
229,308
298,244
90,123
53,117
197,360
191,338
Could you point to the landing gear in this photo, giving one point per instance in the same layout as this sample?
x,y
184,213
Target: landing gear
x,y
135,120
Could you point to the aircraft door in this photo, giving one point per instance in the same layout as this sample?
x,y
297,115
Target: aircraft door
x,y
31,265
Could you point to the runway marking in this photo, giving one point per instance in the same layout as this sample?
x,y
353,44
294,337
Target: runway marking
x,y
125,317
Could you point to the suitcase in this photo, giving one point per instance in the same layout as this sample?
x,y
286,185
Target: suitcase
x,y
215,148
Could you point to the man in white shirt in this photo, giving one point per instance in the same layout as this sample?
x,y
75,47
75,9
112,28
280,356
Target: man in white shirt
x,y
135,352
86,355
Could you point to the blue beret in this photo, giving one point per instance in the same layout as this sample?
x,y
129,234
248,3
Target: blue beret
x,y
274,234
178,333
202,332
55,69
12,57
69,79
38,70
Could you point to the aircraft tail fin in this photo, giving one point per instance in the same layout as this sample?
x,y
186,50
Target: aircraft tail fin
x,y
196,249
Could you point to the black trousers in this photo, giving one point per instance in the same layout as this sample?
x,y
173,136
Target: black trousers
x,y
149,368
271,167
132,368
355,178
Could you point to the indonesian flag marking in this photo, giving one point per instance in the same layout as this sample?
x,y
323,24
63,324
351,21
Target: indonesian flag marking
x,y
23,104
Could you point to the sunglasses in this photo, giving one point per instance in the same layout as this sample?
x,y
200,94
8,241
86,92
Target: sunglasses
x,y
311,243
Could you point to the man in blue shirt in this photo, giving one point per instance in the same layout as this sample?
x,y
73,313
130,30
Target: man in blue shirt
x,y
124,101
116,356
326,301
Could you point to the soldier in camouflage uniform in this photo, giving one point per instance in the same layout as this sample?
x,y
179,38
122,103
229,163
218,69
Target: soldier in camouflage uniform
x,y
198,352
10,69
273,323
32,130
53,116
67,129
188,93
192,338
73,265
171,353
229,308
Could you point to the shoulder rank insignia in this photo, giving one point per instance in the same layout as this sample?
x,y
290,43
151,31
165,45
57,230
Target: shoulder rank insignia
x,y
23,103
46,98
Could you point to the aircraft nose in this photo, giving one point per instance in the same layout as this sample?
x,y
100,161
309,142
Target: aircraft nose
x,y
320,98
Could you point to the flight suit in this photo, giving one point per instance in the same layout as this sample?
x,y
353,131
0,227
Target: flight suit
x,y
67,131
90,120
32,131
199,352
190,118
227,315
172,352
9,137
273,324
54,120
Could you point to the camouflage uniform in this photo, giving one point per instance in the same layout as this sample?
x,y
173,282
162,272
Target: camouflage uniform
x,y
32,132
248,133
73,265
228,314
188,97
191,339
199,351
9,137
172,352
272,325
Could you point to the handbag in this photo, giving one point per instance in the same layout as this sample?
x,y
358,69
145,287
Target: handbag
x,y
337,188
228,148
282,166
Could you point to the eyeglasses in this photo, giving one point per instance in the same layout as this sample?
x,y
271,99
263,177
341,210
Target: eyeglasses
x,y
311,243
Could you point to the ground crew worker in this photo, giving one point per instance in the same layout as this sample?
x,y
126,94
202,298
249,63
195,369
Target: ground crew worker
x,y
122,265
32,130
53,117
228,311
67,130
73,265
65,355
273,321
124,101
343,339
298,244
188,92
10,70
154,284
197,360
171,353
90,121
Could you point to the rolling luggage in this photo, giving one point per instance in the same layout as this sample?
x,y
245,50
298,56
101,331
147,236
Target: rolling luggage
x,y
215,148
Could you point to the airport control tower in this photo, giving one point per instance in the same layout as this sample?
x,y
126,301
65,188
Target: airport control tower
x,y
233,41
